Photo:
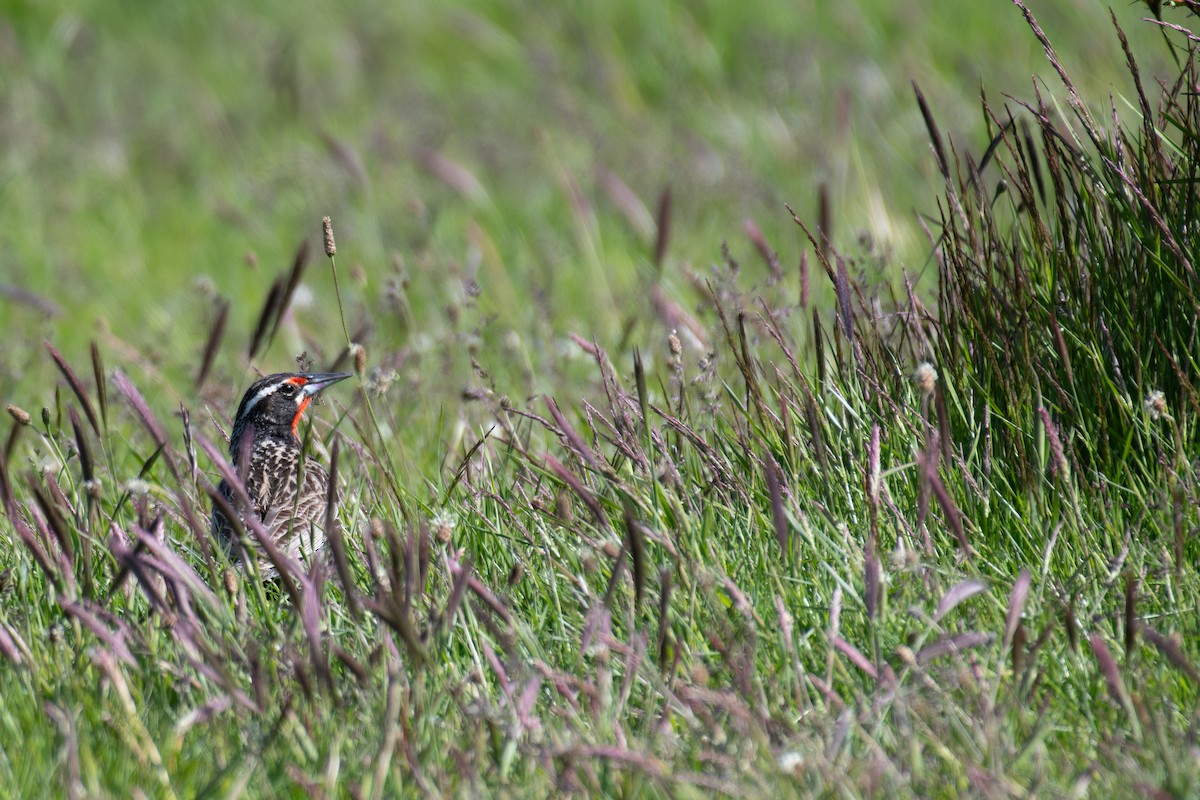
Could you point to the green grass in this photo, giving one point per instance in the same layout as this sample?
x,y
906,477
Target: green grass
x,y
766,561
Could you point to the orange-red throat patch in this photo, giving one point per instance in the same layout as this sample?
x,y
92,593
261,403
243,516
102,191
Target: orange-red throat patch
x,y
299,413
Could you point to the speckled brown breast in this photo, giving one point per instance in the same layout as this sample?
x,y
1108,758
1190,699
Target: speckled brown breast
x,y
290,502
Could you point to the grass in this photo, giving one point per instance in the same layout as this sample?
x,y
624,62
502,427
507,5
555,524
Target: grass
x,y
620,524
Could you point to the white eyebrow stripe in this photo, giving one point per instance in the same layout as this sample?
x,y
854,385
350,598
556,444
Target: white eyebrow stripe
x,y
266,391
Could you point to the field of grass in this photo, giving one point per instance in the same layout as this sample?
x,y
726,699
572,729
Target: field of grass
x,y
651,489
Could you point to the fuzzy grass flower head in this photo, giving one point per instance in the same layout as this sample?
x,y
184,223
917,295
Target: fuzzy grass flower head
x,y
359,354
137,486
675,348
327,236
443,524
1155,405
924,378
19,414
379,380
791,761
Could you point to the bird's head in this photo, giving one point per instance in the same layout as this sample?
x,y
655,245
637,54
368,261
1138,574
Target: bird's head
x,y
275,404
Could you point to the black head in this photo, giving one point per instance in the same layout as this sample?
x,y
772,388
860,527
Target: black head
x,y
275,404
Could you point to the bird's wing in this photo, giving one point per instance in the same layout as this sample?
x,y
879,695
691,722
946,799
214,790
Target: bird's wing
x,y
293,510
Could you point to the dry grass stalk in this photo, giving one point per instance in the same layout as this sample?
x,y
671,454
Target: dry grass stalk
x,y
76,386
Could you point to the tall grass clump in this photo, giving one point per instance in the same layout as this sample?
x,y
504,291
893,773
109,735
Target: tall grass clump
x,y
1074,288
885,545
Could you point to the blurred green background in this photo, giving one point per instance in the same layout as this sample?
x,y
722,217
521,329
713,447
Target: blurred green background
x,y
157,158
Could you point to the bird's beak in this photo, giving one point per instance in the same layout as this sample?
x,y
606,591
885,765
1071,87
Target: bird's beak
x,y
319,380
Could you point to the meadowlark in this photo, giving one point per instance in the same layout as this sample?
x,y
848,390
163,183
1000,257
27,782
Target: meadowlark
x,y
288,491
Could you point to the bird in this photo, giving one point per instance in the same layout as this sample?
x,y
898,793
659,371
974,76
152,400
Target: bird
x,y
288,490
